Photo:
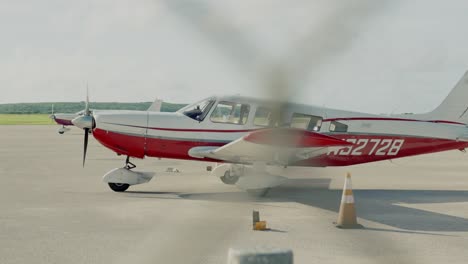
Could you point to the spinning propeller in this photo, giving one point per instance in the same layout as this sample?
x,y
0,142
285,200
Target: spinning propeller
x,y
283,78
85,122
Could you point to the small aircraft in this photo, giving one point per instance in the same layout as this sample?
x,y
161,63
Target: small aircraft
x,y
251,137
65,119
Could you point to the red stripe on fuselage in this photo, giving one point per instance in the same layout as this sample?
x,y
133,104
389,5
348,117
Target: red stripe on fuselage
x,y
367,148
370,148
139,146
123,144
390,119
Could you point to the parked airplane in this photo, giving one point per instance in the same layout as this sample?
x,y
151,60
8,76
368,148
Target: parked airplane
x,y
65,119
249,137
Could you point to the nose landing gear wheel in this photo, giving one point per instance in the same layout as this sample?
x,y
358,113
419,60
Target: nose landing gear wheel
x,y
118,187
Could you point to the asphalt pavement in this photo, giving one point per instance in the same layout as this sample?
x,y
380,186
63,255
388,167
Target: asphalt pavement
x,y
52,210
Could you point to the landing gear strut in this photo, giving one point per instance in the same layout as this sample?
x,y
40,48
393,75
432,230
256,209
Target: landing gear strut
x,y
128,164
63,129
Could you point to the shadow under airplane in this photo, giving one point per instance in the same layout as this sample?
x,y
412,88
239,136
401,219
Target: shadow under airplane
x,y
379,206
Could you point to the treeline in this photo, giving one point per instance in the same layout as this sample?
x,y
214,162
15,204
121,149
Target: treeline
x,y
63,107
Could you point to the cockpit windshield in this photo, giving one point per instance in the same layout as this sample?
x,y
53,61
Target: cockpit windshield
x,y
199,110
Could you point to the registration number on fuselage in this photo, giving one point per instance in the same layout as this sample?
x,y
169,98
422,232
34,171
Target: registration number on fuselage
x,y
366,146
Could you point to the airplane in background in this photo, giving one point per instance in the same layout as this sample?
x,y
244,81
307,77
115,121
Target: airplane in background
x,y
65,119
254,140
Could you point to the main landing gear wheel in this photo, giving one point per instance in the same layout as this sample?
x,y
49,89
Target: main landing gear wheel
x,y
122,187
118,187
229,179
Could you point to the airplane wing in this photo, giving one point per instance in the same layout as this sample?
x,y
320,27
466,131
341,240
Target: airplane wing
x,y
155,106
281,146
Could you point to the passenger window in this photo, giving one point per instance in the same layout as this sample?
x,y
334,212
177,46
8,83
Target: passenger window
x,y
264,117
307,122
232,113
338,127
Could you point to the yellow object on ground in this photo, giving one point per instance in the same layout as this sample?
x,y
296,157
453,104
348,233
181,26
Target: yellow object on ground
x,y
261,225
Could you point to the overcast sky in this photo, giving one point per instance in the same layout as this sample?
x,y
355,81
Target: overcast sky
x,y
373,56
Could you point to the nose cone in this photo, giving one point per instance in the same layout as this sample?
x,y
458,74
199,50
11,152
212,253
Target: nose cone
x,y
83,122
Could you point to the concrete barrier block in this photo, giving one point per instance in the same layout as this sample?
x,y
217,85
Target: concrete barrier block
x,y
260,255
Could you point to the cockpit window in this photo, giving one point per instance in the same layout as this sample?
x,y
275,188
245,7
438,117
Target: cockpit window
x,y
200,110
230,112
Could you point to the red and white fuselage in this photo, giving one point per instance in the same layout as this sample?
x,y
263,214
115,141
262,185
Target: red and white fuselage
x,y
372,137
238,131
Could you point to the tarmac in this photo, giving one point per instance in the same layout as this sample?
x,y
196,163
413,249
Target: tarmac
x,y
414,210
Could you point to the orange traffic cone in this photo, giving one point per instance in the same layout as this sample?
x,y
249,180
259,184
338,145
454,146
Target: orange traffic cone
x,y
347,215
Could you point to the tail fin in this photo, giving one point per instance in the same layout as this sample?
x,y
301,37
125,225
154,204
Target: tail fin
x,y
455,106
155,106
